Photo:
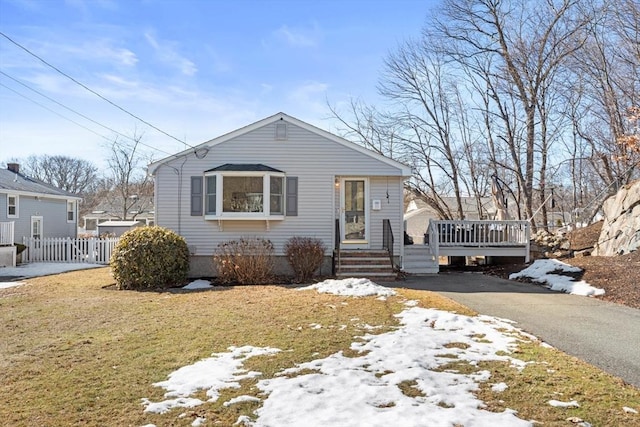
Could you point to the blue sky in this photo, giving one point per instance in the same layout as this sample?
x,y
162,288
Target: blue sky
x,y
194,69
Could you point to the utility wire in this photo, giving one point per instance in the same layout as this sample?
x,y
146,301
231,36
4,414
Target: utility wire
x,y
76,123
73,111
93,91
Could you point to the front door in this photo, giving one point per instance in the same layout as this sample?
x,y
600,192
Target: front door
x,y
354,213
35,249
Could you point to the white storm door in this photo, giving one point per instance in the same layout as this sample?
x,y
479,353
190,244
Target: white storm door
x,y
354,218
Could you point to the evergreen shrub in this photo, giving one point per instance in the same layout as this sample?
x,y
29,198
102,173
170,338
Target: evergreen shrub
x,y
148,258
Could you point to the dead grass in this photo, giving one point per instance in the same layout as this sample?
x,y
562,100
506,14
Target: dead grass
x,y
75,353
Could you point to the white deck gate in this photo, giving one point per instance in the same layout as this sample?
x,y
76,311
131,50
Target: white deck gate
x,y
6,233
66,249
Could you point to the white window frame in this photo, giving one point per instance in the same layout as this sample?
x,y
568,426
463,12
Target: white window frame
x,y
266,196
73,210
40,221
16,205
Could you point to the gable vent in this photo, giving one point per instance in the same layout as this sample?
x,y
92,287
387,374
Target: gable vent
x,y
281,131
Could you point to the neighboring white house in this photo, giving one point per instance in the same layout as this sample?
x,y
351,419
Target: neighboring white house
x,y
91,222
34,208
277,178
116,227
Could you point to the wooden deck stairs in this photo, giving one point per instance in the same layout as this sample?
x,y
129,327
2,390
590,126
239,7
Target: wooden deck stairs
x,y
419,259
370,264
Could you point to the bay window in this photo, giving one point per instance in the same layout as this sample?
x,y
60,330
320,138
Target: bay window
x,y
244,192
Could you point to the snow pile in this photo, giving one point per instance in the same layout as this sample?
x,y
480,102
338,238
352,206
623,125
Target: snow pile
x,y
350,287
198,284
542,271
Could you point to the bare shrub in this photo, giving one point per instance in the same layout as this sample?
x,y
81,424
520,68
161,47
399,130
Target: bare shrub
x,y
248,261
305,255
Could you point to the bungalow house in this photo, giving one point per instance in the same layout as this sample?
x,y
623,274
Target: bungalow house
x,y
32,208
277,178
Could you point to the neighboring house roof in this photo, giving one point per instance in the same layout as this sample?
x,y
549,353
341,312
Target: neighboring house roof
x,y
406,170
119,223
228,167
11,182
469,205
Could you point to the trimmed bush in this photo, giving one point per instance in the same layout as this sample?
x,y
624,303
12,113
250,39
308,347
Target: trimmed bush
x,y
305,255
150,258
248,261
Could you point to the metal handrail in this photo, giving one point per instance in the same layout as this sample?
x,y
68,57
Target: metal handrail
x,y
387,239
336,248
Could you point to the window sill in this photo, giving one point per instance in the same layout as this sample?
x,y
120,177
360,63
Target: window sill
x,y
243,217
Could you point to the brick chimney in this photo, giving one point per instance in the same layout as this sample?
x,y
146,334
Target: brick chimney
x,y
14,167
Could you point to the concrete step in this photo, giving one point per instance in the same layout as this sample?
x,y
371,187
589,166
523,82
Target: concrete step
x,y
371,275
422,270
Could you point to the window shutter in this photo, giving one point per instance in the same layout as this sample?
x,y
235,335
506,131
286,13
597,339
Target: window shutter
x,y
292,196
196,196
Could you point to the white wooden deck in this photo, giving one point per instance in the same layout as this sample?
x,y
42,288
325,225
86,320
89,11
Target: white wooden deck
x,y
468,238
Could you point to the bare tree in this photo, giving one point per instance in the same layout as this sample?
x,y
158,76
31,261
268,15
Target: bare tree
x,y
76,176
608,75
126,190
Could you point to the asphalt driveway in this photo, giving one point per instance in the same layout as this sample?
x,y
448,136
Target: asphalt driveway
x,y
601,333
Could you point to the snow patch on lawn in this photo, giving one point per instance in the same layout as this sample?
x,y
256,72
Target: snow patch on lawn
x,y
413,354
350,287
222,370
560,404
7,285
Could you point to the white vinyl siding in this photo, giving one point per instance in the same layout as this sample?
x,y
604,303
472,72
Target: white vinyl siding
x,y
52,210
313,159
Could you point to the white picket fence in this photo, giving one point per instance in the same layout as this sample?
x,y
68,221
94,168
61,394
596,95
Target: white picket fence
x,y
66,249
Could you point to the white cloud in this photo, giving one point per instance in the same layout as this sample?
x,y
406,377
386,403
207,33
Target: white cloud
x,y
167,52
299,37
311,97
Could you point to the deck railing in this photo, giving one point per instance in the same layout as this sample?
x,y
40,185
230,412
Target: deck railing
x,y
491,237
336,248
6,233
65,249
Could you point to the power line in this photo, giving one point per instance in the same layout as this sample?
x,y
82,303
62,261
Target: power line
x,y
79,124
72,110
92,91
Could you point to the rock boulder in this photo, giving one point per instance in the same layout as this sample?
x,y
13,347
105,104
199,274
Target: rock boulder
x,y
621,229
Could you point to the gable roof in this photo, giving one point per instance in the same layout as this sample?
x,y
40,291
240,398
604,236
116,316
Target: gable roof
x,y
406,170
11,182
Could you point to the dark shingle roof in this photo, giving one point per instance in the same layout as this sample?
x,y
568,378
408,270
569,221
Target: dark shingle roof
x,y
230,167
11,181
